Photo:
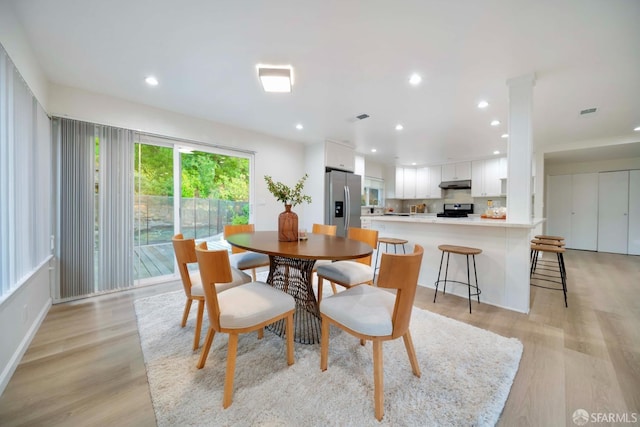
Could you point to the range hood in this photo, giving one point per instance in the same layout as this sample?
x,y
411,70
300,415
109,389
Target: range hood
x,y
456,185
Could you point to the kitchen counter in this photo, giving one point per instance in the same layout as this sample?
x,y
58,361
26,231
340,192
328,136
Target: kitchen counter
x,y
503,265
472,221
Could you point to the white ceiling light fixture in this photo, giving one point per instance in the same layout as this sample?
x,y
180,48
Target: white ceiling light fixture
x,y
276,78
299,126
415,79
496,152
637,129
483,104
373,150
151,81
399,127
504,135
495,122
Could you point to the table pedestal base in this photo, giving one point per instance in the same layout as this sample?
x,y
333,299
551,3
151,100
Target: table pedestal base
x,y
295,277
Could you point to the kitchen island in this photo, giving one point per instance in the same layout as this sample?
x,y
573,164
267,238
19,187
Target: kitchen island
x,y
503,266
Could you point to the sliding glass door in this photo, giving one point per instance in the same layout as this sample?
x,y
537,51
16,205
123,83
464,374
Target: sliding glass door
x,y
153,211
212,189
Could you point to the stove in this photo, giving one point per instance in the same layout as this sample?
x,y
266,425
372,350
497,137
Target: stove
x,y
456,210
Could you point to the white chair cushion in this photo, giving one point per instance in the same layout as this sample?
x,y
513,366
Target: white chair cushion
x,y
252,304
364,309
321,262
246,260
347,272
238,278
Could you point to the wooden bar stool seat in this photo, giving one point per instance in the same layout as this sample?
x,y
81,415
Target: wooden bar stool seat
x,y
558,276
459,250
389,241
545,237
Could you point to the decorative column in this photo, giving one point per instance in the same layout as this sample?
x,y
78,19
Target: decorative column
x,y
520,148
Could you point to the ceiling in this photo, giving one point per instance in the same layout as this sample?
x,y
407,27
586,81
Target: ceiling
x,y
353,57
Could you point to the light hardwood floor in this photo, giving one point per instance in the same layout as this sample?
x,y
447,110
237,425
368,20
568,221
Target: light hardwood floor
x,y
85,366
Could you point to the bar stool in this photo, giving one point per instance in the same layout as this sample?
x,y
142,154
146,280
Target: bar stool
x,y
389,241
547,240
554,247
460,250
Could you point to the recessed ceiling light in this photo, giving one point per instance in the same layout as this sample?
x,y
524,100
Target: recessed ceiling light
x,y
413,164
373,150
276,78
483,104
415,79
504,135
299,126
151,81
495,122
496,152
637,129
399,127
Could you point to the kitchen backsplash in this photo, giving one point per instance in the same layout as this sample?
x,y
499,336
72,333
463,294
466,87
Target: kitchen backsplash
x,y
450,196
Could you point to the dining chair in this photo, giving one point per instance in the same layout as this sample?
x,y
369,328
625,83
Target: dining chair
x,y
374,314
185,250
241,309
329,230
243,259
349,273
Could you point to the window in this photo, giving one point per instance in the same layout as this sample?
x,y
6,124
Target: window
x,y
373,194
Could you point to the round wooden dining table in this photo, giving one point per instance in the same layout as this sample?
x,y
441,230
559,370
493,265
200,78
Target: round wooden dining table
x,y
291,270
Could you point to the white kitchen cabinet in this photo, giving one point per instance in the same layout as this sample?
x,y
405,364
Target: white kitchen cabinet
x,y
418,183
613,212
428,182
405,183
399,187
485,178
634,213
572,212
456,171
339,156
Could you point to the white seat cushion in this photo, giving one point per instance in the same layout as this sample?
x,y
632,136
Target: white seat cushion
x,y
321,262
252,304
246,260
347,272
364,309
239,278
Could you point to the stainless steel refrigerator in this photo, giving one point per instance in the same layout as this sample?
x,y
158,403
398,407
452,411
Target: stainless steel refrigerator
x,y
342,200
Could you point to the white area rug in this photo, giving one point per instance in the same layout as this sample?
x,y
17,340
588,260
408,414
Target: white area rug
x,y
467,373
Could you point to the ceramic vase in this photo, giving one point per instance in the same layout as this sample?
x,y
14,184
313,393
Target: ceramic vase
x,y
288,225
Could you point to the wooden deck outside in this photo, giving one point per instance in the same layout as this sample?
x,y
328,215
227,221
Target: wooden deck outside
x,y
159,259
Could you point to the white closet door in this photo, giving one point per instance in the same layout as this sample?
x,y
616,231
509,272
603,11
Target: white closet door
x,y
559,207
613,205
584,212
634,213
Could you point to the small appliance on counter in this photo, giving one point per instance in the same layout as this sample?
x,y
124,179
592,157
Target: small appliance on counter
x,y
456,210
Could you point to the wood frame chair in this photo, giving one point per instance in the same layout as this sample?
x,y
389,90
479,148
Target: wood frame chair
x,y
364,312
329,230
185,251
239,310
350,273
241,258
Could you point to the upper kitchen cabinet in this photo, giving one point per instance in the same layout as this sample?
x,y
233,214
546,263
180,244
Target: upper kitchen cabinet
x,y
456,171
339,156
485,177
428,182
405,183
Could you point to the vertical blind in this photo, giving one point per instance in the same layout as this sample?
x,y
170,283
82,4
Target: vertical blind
x,y
95,186
25,179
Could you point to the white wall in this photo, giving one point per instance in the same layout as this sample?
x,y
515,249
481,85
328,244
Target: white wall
x,y
15,42
283,160
22,312
591,167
